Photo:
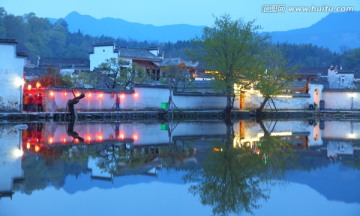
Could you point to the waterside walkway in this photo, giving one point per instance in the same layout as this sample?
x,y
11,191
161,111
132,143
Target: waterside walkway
x,y
184,115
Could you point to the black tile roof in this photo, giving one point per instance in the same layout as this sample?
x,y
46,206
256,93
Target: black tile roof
x,y
140,54
64,62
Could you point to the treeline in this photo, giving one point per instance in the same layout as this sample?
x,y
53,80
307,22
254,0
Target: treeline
x,y
39,37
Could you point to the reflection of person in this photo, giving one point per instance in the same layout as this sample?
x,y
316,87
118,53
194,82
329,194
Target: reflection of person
x,y
117,103
39,103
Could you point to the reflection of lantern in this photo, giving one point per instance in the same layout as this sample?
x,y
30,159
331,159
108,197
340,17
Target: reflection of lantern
x,y
37,148
38,84
29,87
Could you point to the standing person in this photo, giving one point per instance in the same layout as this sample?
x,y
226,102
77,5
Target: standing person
x,y
117,103
26,102
39,103
30,105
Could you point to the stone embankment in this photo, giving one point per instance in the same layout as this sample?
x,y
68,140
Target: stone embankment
x,y
177,115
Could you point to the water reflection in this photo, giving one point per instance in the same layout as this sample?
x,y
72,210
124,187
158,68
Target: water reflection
x,y
230,168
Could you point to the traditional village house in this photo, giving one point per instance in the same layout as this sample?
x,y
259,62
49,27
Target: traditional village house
x,y
148,59
189,67
11,70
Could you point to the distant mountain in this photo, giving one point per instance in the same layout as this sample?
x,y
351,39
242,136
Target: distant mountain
x,y
118,28
335,31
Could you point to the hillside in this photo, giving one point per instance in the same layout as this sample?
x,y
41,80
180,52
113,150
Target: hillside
x,y
335,31
118,28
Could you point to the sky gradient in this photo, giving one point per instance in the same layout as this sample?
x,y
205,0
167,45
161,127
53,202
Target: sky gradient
x,y
193,12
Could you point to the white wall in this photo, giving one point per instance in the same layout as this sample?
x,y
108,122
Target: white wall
x,y
11,72
253,101
342,100
143,98
100,54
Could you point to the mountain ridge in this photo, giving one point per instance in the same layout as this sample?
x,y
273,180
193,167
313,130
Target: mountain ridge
x,y
336,31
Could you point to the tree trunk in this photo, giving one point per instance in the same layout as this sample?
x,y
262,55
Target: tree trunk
x,y
71,104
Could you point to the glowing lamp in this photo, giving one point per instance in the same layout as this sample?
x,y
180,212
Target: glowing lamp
x,y
38,84
88,138
65,94
50,140
37,148
136,95
29,87
122,96
89,95
100,95
218,149
100,137
122,136
51,94
135,137
28,145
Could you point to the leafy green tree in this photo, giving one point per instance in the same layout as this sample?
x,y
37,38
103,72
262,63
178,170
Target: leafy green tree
x,y
119,73
231,48
352,59
276,77
177,79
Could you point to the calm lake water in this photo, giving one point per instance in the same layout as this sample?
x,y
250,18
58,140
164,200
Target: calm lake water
x,y
180,168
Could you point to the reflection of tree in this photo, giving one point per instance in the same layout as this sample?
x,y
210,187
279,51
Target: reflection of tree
x,y
233,180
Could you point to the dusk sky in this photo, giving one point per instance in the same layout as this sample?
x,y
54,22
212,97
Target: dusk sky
x,y
194,12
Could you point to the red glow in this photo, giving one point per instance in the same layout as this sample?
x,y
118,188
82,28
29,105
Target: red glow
x,y
136,95
100,95
88,138
50,140
77,94
29,87
37,148
28,145
76,140
65,94
100,137
122,96
135,137
63,139
51,94
122,136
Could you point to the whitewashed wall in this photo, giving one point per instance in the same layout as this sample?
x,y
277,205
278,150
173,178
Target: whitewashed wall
x,y
144,98
11,72
342,100
253,101
100,54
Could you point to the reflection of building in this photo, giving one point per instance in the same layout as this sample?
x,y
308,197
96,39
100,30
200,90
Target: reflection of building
x,y
10,159
117,149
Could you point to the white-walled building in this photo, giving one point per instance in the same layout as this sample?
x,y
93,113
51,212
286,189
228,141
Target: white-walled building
x,y
11,71
147,59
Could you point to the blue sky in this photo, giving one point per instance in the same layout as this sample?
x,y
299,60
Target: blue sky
x,y
194,12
